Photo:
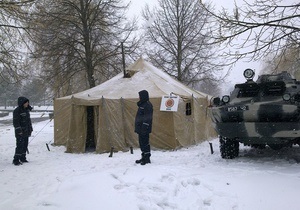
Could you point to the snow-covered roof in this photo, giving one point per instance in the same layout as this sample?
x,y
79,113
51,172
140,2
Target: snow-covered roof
x,y
144,76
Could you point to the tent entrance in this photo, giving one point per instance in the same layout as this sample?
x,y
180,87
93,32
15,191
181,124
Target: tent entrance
x,y
90,144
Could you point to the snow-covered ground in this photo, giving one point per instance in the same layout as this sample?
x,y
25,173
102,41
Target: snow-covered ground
x,y
185,179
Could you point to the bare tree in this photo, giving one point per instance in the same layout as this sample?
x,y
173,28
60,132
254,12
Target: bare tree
x,y
9,90
288,60
177,41
78,41
12,16
256,30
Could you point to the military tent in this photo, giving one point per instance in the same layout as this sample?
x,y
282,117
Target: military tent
x,y
113,106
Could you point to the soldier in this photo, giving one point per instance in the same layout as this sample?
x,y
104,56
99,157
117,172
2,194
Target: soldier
x,y
23,129
143,126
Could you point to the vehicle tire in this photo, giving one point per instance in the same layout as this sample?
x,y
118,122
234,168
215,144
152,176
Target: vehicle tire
x,y
236,148
229,148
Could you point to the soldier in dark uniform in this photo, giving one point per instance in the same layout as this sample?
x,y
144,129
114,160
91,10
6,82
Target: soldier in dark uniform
x,y
143,126
23,129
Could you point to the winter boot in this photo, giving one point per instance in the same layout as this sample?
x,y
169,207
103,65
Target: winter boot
x,y
145,160
23,159
140,160
17,162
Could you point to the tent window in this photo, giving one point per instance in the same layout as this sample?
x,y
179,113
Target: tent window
x,y
188,108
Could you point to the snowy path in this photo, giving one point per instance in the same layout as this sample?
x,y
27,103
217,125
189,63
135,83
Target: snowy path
x,y
186,179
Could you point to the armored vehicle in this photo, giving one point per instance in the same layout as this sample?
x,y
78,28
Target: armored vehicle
x,y
258,114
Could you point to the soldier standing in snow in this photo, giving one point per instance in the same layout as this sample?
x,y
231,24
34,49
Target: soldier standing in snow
x,y
143,126
23,129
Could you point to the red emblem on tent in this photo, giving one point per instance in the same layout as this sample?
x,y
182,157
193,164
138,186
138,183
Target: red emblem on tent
x,y
169,103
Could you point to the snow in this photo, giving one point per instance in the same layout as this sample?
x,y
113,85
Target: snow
x,y
146,77
184,179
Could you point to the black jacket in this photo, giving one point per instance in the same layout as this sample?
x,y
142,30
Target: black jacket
x,y
21,119
143,119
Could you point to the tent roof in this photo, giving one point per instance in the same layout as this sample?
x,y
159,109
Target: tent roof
x,y
144,77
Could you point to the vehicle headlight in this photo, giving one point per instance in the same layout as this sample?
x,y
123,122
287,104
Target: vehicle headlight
x,y
286,97
225,99
249,74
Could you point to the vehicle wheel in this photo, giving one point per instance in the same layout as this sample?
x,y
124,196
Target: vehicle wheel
x,y
275,146
229,148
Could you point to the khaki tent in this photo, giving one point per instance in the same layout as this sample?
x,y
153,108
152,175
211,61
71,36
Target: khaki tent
x,y
113,105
